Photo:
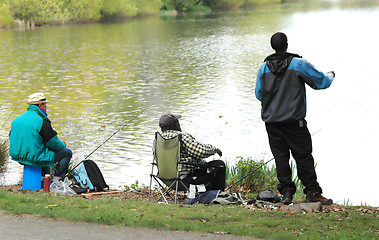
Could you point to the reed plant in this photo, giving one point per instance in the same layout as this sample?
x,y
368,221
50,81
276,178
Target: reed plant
x,y
264,178
4,145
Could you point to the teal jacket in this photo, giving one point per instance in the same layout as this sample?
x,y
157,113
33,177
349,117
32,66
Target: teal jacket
x,y
33,140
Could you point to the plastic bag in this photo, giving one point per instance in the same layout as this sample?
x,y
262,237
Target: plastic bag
x,y
62,187
77,157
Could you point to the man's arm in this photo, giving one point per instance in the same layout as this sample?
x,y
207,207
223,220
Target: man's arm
x,y
50,137
313,77
196,149
258,85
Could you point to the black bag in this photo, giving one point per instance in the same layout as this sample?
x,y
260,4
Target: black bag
x,y
89,175
268,196
78,189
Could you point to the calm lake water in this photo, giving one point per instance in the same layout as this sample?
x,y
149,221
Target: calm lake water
x,y
98,77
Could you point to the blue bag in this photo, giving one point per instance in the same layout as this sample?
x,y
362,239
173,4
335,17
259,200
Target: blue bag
x,y
89,175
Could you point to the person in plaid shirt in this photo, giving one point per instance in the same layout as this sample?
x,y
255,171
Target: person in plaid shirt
x,y
193,151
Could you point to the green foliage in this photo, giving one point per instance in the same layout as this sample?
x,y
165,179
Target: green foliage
x,y
148,7
114,9
37,12
168,5
224,4
82,9
199,8
184,5
119,9
3,155
262,179
251,3
6,18
135,186
207,5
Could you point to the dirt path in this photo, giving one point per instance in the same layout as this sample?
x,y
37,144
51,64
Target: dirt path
x,y
33,227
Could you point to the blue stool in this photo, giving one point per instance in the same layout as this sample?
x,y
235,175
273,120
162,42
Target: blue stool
x,y
31,179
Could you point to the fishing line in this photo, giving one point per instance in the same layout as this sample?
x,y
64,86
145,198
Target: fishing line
x,y
16,106
110,137
253,171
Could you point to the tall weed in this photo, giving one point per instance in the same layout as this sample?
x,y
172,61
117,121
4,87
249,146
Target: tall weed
x,y
257,176
263,178
3,155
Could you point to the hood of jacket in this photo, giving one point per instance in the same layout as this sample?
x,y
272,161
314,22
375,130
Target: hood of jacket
x,y
279,62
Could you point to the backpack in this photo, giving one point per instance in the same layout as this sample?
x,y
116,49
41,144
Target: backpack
x,y
89,175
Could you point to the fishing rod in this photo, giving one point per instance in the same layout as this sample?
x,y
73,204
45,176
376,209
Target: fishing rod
x,y
16,107
250,173
109,138
253,171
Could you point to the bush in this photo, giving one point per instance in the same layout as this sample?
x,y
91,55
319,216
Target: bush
x,y
199,8
251,3
82,9
262,179
36,12
148,7
181,5
118,9
3,155
6,18
224,4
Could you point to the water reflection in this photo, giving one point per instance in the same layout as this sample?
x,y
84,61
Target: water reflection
x,y
98,77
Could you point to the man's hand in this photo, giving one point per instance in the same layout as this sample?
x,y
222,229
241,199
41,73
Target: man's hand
x,y
219,152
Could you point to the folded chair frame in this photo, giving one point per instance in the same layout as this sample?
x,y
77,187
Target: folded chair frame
x,y
164,188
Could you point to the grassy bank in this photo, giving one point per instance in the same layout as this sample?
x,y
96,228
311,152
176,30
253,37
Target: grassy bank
x,y
346,223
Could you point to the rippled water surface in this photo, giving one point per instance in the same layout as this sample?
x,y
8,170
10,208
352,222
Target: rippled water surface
x,y
98,77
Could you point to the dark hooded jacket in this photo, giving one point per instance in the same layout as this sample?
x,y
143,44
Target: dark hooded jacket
x,y
280,86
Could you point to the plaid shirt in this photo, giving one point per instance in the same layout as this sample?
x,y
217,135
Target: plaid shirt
x,y
191,150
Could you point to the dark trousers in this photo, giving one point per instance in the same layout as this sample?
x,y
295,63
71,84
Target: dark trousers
x,y
62,158
212,174
294,138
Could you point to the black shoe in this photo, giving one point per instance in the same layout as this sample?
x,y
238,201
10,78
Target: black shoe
x,y
287,198
315,196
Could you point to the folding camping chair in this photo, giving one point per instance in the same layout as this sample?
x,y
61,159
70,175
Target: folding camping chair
x,y
166,162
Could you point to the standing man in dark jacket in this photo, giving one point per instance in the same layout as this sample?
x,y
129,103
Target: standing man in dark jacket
x,y
34,142
281,89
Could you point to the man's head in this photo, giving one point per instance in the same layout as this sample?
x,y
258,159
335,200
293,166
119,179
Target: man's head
x,y
38,99
169,121
279,42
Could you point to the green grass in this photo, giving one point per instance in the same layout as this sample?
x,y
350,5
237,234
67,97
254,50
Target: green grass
x,y
348,224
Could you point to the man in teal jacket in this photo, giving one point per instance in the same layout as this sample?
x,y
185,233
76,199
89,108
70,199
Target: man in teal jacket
x,y
34,142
